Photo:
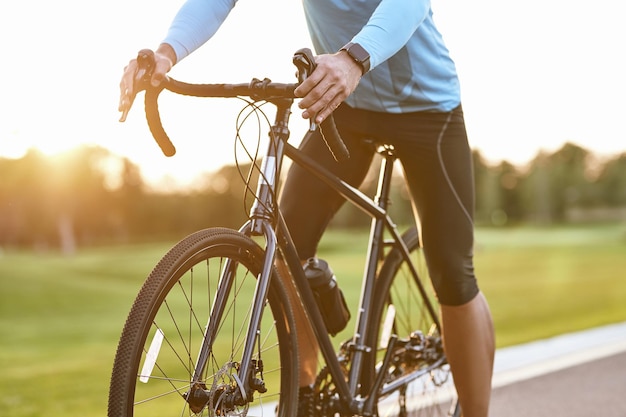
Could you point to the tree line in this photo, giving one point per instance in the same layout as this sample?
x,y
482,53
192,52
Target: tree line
x,y
89,196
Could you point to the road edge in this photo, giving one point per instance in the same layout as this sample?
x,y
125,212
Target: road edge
x,y
520,362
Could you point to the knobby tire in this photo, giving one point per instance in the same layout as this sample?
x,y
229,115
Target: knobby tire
x,y
176,300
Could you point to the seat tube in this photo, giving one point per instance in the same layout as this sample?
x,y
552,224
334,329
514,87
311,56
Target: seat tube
x,y
375,246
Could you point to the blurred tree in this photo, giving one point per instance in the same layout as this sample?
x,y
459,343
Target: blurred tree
x,y
558,182
81,202
484,189
24,195
76,198
226,200
54,202
498,199
612,182
535,191
127,215
509,207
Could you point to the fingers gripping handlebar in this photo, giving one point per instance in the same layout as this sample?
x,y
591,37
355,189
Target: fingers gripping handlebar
x,y
304,61
145,66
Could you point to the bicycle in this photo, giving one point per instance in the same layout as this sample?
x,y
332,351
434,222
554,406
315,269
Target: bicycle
x,y
212,331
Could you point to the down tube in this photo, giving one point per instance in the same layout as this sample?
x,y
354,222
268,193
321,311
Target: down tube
x,y
380,220
290,255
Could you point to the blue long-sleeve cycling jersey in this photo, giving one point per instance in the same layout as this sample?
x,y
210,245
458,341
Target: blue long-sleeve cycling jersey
x,y
411,69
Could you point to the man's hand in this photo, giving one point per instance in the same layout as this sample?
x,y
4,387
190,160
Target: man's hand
x,y
134,77
334,79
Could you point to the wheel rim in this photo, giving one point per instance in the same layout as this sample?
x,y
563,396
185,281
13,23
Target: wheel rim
x,y
164,364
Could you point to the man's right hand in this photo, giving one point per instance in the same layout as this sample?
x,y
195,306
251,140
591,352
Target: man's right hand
x,y
130,85
335,78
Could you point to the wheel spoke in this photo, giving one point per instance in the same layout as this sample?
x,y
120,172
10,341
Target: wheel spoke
x,y
419,350
175,304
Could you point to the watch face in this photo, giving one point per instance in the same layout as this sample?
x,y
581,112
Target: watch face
x,y
358,53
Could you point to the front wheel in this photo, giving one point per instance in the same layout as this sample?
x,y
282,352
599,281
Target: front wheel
x,y
402,309
158,352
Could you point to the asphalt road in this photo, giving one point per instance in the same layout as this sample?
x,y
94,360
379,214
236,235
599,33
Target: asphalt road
x,y
575,375
580,374
592,389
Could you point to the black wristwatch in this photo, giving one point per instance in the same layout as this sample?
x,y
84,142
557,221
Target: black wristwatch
x,y
359,55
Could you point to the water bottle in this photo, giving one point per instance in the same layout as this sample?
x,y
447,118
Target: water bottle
x,y
329,297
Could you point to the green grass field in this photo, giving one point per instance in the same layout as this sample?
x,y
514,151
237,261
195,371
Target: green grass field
x,y
60,317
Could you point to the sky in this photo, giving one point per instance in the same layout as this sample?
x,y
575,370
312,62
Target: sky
x,y
534,75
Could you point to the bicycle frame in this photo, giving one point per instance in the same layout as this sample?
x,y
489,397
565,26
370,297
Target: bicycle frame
x,y
265,220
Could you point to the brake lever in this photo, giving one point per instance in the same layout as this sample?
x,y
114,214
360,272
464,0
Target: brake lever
x,y
141,81
304,60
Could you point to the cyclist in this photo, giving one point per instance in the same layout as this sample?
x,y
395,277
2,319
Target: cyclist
x,y
384,70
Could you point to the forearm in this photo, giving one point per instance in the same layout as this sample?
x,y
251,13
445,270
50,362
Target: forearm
x,y
195,23
390,27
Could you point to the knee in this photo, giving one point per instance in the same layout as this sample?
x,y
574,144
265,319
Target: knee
x,y
455,286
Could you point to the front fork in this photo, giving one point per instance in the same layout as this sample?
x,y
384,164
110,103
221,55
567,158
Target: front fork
x,y
239,380
259,225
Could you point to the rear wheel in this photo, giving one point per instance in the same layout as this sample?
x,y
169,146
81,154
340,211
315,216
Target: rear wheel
x,y
402,309
159,347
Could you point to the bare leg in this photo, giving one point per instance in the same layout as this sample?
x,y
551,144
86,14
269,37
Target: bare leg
x,y
307,343
469,343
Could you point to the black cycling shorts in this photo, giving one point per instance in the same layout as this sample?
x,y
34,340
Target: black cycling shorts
x,y
437,160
